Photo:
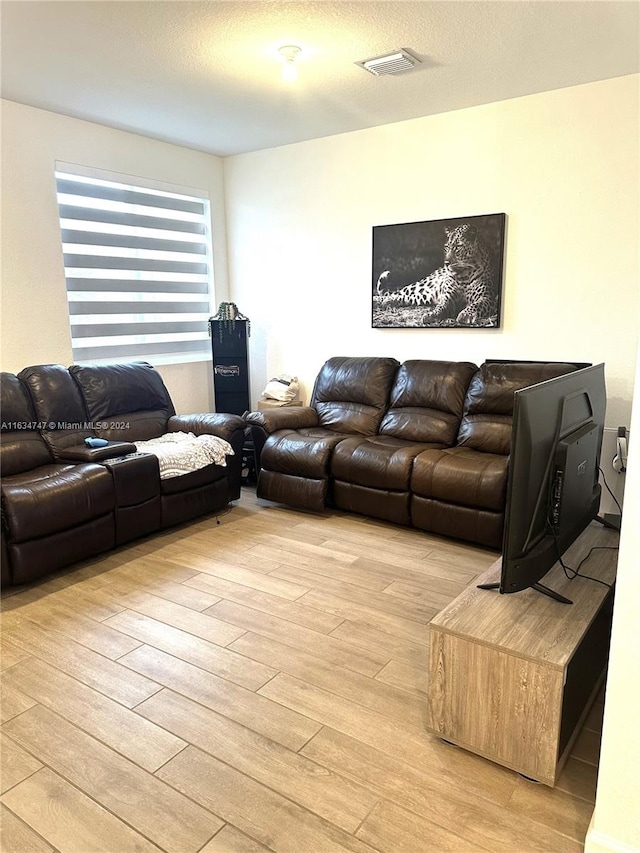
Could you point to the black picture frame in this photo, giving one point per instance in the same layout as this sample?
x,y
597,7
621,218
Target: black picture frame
x,y
417,284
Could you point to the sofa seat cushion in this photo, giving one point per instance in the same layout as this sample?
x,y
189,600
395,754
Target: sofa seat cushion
x,y
193,480
180,453
461,476
301,453
55,497
379,462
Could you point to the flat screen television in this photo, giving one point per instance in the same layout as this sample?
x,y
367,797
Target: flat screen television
x,y
553,491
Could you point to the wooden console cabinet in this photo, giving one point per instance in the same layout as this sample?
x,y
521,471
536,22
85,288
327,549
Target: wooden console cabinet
x,y
512,677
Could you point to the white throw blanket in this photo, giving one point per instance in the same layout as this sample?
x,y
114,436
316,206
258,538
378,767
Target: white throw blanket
x,y
182,452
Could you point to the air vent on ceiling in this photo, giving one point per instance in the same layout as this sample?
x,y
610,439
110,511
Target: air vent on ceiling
x,y
391,63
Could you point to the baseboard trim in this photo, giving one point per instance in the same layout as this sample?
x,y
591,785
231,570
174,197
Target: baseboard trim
x,y
600,842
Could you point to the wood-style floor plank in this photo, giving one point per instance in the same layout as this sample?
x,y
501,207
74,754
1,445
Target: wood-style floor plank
x,y
338,651
143,801
421,573
233,552
412,677
82,630
579,779
96,671
390,827
375,595
205,626
83,598
587,746
293,611
391,555
356,532
16,765
250,578
17,837
10,654
115,725
71,601
339,800
261,813
385,644
387,699
554,809
201,653
12,701
69,820
315,574
432,598
270,719
178,593
231,840
366,615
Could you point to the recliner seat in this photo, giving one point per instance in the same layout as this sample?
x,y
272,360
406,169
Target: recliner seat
x,y
372,474
52,512
349,398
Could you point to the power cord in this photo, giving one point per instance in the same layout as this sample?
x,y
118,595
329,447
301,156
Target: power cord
x,y
571,573
606,485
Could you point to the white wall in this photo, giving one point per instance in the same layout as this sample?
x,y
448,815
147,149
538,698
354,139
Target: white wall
x,y
615,827
562,165
35,322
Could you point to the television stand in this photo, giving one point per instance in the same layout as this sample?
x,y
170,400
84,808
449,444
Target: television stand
x,y
610,520
512,677
540,587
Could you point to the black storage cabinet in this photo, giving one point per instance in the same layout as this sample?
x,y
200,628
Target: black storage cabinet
x,y
230,351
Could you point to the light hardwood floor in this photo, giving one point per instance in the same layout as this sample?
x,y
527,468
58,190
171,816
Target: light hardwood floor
x,y
256,685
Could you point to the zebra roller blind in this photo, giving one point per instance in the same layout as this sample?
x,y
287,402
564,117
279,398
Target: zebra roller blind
x,y
137,265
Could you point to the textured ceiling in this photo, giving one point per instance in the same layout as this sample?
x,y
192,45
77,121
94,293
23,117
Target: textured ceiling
x,y
206,74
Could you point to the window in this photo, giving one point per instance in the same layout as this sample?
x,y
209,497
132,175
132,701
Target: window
x,y
137,262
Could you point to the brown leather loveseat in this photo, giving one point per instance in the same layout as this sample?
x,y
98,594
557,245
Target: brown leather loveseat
x,y
63,501
424,443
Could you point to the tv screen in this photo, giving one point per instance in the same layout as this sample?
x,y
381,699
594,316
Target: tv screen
x,y
553,491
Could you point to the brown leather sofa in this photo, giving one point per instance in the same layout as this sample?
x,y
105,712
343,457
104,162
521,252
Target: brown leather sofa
x,y
63,501
424,443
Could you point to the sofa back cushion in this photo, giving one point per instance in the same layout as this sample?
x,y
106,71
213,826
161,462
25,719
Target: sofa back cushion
x,y
57,402
22,447
426,401
125,402
351,395
488,407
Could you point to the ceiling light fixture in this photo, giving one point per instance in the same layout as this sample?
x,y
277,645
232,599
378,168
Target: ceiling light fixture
x,y
391,63
289,54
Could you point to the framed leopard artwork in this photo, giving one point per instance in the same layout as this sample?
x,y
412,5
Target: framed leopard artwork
x,y
444,273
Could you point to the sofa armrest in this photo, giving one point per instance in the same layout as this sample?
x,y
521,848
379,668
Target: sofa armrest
x,y
82,453
210,423
287,417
